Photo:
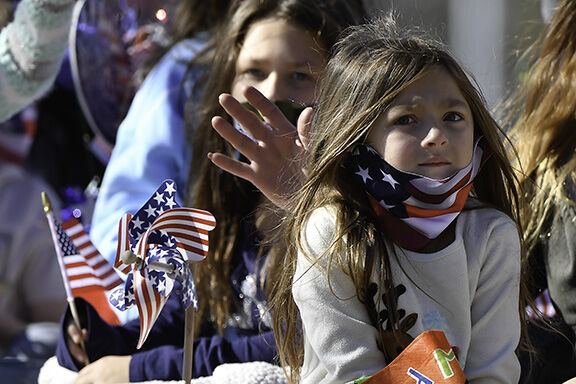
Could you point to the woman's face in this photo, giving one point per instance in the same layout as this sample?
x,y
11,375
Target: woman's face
x,y
279,59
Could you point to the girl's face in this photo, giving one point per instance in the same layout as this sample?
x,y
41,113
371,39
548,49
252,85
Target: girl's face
x,y
428,128
280,60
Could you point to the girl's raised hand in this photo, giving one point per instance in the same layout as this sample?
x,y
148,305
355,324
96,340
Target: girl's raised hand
x,y
275,155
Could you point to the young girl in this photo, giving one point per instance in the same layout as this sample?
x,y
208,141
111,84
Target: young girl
x,y
277,46
407,221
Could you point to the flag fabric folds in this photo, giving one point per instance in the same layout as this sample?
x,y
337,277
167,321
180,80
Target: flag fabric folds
x,y
413,209
89,274
87,267
164,237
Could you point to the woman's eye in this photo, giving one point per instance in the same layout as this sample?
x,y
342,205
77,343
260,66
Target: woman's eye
x,y
453,116
404,120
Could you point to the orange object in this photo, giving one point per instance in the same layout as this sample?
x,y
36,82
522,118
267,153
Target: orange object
x,y
428,359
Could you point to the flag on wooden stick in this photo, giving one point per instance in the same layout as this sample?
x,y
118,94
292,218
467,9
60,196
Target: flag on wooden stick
x,y
85,272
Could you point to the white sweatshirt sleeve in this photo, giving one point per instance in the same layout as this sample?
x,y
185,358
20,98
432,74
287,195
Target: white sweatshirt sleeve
x,y
340,341
494,310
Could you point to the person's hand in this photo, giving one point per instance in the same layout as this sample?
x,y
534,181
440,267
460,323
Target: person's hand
x,y
75,343
275,156
107,370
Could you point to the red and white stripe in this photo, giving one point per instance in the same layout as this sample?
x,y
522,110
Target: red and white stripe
x,y
148,301
89,268
190,228
123,243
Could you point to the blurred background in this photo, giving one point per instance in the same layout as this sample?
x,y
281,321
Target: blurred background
x,y
487,36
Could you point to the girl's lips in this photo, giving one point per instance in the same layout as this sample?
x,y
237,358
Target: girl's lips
x,y
435,162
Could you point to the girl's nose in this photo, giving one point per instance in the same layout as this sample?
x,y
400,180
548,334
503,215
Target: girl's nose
x,y
271,88
434,138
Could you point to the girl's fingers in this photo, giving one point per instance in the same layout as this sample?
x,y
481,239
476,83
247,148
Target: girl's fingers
x,y
74,342
77,336
269,111
239,141
235,167
74,333
251,123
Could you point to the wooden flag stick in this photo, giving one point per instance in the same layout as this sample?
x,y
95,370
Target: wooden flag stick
x,y
128,257
188,357
60,257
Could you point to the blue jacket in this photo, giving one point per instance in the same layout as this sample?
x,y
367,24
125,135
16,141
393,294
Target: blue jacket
x,y
151,145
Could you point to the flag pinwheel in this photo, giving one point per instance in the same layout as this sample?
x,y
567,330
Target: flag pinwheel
x,y
154,249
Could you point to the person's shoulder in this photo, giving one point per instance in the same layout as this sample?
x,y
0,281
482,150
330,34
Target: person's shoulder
x,y
185,50
176,60
479,212
320,228
480,223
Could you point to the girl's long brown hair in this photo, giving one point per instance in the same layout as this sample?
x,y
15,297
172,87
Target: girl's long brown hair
x,y
369,67
544,111
231,199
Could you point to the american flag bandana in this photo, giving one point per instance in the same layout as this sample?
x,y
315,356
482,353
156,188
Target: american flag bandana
x,y
413,209
164,236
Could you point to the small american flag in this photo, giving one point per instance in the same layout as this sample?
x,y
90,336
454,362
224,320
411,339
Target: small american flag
x,y
88,273
87,267
165,237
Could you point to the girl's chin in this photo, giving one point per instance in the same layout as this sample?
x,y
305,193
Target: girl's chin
x,y
436,172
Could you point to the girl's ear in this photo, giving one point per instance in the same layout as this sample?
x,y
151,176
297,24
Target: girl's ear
x,y
304,127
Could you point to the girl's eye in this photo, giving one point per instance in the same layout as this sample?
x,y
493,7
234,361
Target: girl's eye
x,y
404,120
453,116
253,72
300,76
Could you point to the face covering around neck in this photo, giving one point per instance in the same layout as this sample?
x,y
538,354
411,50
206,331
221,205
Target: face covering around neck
x,y
413,209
